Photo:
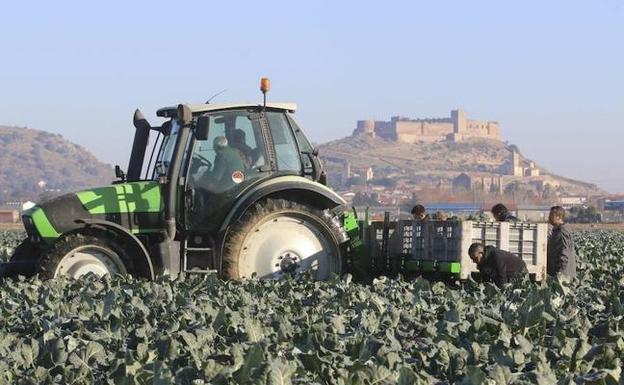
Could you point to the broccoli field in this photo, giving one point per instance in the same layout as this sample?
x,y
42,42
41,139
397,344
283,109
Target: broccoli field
x,y
204,330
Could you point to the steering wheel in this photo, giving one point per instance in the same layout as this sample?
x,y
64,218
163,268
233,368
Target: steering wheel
x,y
202,160
199,162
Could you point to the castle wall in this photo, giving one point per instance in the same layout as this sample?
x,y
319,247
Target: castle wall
x,y
386,130
414,131
455,128
477,128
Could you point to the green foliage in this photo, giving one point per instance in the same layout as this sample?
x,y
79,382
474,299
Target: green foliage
x,y
8,242
203,330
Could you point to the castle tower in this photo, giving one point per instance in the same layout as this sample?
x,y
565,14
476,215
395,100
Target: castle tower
x,y
458,117
533,170
365,127
516,167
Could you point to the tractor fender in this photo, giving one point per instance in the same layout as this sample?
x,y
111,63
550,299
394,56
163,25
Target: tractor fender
x,y
143,259
326,197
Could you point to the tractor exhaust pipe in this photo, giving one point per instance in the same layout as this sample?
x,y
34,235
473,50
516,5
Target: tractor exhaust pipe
x,y
141,137
185,117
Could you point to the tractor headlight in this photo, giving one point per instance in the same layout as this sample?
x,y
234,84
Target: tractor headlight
x,y
28,205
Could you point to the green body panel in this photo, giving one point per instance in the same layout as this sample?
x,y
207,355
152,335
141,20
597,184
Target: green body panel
x,y
350,223
356,243
114,203
42,224
123,198
448,267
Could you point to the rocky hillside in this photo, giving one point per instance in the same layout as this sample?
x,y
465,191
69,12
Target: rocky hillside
x,y
419,158
37,163
437,162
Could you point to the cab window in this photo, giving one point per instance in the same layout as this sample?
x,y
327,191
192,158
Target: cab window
x,y
304,145
285,146
223,165
231,154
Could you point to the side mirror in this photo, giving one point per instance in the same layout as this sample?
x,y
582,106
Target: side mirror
x,y
315,151
185,115
165,128
202,127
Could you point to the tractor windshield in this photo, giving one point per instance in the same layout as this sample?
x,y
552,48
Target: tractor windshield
x,y
166,151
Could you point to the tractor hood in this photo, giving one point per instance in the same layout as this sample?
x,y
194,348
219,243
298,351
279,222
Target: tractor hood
x,y
137,206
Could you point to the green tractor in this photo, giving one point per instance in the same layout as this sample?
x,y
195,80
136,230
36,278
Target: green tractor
x,y
235,189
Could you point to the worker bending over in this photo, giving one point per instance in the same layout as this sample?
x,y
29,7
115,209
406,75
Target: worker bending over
x,y
498,265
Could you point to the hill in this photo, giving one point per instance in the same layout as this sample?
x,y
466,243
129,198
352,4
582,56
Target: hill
x,y
36,163
440,163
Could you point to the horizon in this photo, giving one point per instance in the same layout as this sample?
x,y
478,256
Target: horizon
x,y
548,73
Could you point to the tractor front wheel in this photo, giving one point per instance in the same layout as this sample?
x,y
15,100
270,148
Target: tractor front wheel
x,y
278,237
75,255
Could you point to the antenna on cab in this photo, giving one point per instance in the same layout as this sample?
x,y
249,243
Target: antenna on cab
x,y
215,95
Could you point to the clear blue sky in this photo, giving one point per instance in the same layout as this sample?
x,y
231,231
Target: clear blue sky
x,y
551,72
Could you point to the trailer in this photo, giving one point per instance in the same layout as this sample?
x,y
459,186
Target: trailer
x,y
411,247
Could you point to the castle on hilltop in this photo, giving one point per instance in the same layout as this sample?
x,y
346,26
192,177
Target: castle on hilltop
x,y
455,128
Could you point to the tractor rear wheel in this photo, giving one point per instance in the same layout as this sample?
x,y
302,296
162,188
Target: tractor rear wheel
x,y
75,255
278,237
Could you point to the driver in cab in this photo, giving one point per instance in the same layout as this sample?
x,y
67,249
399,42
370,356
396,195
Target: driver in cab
x,y
227,164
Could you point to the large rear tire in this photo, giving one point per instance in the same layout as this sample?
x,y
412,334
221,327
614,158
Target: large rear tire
x,y
75,255
277,237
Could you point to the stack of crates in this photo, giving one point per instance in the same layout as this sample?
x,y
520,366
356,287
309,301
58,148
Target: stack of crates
x,y
430,246
442,246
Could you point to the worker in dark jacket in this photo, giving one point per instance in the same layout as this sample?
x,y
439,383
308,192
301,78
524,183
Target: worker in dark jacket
x,y
561,257
502,214
498,265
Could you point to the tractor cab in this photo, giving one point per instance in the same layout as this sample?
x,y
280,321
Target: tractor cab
x,y
229,148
